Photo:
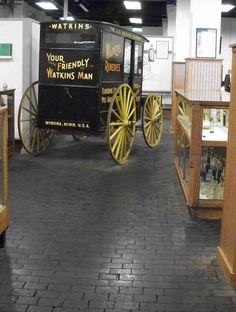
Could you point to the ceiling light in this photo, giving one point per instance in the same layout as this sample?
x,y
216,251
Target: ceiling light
x,y
83,7
137,29
46,5
68,18
132,5
226,7
135,20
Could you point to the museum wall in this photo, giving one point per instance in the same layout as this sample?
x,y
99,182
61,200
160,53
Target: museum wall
x,y
228,35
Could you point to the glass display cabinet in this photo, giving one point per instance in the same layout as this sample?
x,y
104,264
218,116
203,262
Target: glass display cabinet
x,y
4,174
200,143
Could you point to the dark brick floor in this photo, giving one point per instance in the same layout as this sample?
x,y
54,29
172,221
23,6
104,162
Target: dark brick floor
x,y
87,235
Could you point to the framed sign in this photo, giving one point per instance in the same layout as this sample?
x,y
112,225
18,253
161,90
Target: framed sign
x,y
162,48
5,50
206,42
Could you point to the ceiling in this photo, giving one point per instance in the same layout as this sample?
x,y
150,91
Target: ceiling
x,y
113,11
231,13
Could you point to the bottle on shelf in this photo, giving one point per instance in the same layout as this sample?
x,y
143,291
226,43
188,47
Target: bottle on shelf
x,y
212,127
224,118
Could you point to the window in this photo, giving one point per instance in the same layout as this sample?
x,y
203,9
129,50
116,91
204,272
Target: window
x,y
80,39
138,59
127,56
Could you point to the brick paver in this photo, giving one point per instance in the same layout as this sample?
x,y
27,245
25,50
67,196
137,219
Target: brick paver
x,y
87,235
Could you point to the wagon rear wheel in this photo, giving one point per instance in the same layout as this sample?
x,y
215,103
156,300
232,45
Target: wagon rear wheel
x,y
35,140
152,120
121,123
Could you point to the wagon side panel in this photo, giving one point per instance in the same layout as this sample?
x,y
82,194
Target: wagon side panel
x,y
69,75
112,67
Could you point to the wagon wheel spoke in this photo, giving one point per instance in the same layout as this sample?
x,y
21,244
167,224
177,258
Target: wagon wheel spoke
x,y
116,144
131,113
119,107
30,112
118,116
121,123
152,120
32,105
34,139
130,131
116,132
27,119
129,101
116,124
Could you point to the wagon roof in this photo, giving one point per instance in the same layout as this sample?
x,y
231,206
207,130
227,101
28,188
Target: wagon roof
x,y
115,29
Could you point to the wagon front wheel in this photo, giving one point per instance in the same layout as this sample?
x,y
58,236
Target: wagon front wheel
x,y
152,120
35,140
121,123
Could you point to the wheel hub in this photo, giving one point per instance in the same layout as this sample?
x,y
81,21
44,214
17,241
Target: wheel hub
x,y
126,122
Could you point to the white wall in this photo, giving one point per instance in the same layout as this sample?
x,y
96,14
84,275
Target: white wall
x,y
11,70
182,31
157,74
228,33
204,14
19,71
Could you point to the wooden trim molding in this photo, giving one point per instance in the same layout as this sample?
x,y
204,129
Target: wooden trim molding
x,y
231,276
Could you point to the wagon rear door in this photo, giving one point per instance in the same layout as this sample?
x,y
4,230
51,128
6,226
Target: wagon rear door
x,y
68,74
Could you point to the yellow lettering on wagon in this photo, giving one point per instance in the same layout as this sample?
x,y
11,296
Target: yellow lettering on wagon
x,y
53,123
85,76
59,75
70,26
112,50
112,67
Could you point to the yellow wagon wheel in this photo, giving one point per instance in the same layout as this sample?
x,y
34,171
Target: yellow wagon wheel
x,y
35,140
121,123
152,120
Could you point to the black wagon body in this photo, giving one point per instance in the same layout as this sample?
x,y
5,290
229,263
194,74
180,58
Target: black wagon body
x,y
81,65
90,80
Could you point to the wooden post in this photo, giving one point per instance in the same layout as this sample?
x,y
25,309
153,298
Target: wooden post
x,y
227,250
4,213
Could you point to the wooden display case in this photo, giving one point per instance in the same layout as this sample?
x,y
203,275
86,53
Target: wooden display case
x,y
4,219
195,74
200,149
227,248
7,98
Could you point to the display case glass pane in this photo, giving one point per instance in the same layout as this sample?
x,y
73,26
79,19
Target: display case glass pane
x,y
215,124
185,113
182,153
212,172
